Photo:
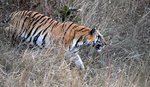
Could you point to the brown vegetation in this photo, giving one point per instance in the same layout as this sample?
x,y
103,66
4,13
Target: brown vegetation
x,y
124,63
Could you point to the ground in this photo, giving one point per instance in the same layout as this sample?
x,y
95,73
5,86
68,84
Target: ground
x,y
125,62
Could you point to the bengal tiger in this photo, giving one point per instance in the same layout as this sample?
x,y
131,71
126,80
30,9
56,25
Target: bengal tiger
x,y
37,29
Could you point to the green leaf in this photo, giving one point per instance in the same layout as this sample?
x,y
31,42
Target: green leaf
x,y
77,20
65,8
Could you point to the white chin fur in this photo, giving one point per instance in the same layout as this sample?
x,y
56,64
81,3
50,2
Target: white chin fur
x,y
99,50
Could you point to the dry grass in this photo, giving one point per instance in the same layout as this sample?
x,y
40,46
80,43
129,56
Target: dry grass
x,y
125,63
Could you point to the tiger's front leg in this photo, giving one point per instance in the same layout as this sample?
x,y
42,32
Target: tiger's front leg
x,y
76,59
79,63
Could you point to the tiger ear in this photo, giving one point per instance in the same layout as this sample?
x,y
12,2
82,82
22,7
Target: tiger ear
x,y
92,32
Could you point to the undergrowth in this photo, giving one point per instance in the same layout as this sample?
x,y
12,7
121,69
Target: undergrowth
x,y
125,62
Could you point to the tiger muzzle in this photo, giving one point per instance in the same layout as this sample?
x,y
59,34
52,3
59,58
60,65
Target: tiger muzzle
x,y
99,46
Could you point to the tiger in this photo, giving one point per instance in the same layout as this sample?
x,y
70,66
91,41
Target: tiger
x,y
37,29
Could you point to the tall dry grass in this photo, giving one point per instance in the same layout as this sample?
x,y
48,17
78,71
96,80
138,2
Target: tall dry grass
x,y
124,63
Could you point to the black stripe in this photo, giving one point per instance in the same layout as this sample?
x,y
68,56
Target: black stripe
x,y
43,20
85,30
69,47
19,17
24,39
54,25
43,44
17,23
70,32
24,22
13,35
20,38
68,28
74,27
38,20
63,26
77,31
81,29
29,13
24,31
51,22
22,14
34,15
46,21
37,17
33,19
36,38
25,14
80,38
28,34
36,29
66,31
22,27
30,39
45,29
33,26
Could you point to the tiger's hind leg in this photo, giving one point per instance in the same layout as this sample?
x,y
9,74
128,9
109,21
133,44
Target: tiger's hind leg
x,y
8,34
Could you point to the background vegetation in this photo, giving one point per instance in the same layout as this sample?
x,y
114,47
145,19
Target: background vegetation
x,y
124,63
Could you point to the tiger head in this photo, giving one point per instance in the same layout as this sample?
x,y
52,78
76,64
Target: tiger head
x,y
91,38
96,40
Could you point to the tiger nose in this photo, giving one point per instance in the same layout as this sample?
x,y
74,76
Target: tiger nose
x,y
98,46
